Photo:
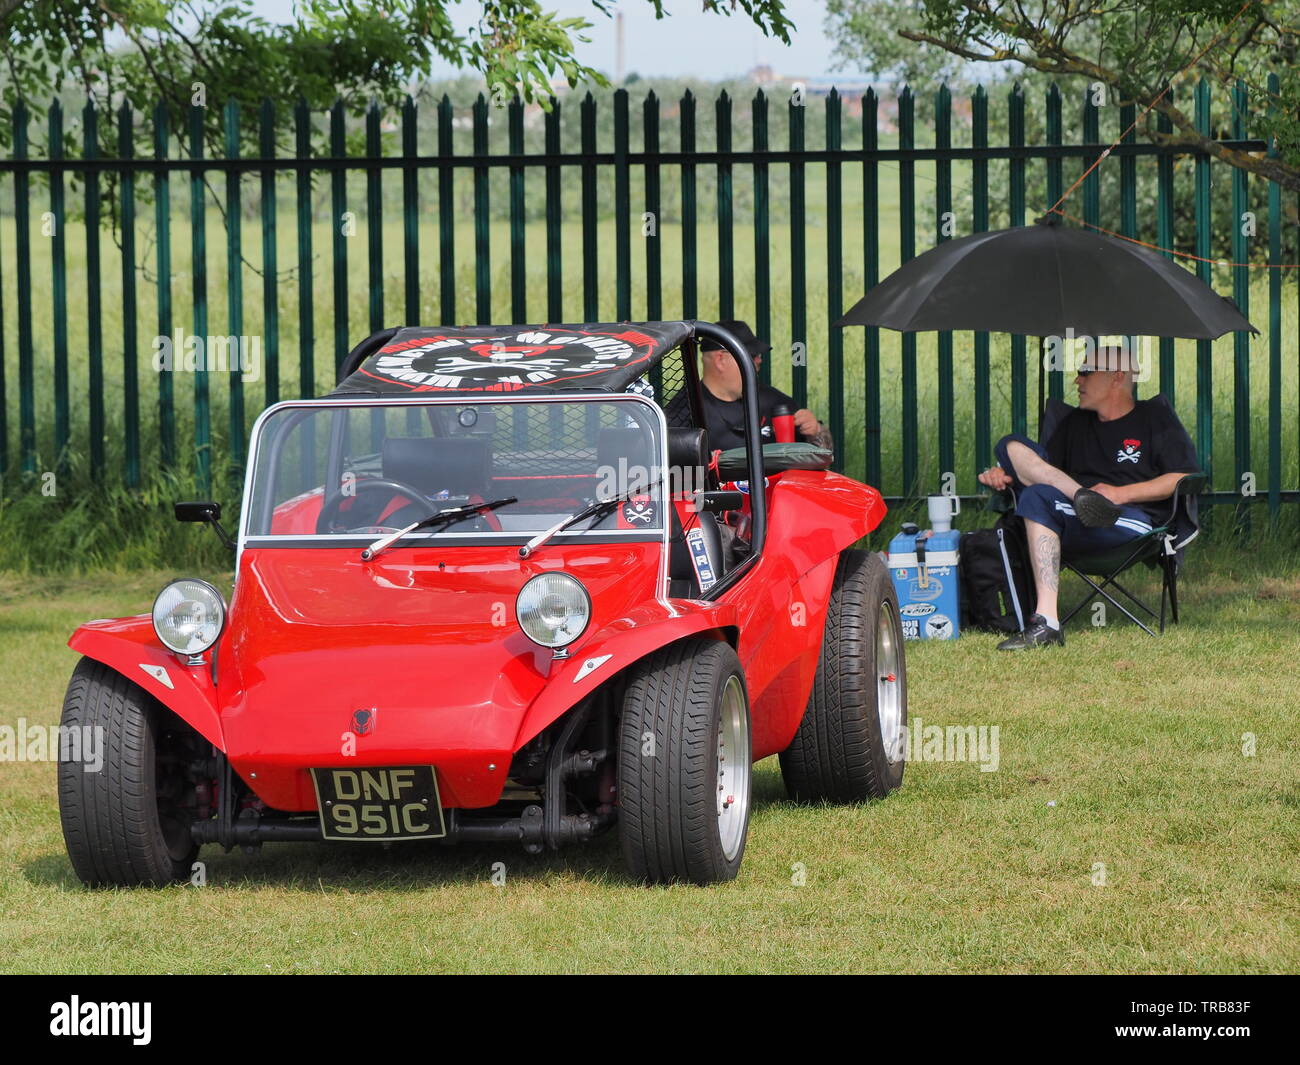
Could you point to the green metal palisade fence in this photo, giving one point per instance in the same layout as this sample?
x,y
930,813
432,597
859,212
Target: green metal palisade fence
x,y
779,233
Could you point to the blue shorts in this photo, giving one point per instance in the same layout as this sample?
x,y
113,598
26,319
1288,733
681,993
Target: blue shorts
x,y
1053,509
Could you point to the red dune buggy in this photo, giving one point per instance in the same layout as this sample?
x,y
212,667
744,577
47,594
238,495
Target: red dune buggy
x,y
496,587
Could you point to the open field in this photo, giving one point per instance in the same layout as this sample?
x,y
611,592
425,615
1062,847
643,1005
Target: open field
x,y
1119,749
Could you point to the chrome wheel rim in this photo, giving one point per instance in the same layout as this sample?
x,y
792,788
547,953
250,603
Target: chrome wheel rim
x,y
733,769
889,684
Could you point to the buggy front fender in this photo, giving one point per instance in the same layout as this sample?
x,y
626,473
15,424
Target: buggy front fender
x,y
131,647
618,645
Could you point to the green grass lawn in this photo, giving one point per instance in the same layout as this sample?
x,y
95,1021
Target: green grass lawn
x,y
1118,749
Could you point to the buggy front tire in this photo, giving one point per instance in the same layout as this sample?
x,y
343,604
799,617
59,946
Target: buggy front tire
x,y
684,772
127,824
850,745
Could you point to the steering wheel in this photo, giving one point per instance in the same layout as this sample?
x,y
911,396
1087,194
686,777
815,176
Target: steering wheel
x,y
328,521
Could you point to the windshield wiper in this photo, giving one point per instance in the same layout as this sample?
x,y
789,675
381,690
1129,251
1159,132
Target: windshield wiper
x,y
601,506
443,517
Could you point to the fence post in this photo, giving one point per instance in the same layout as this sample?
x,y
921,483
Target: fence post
x,y
446,214
94,303
1128,174
130,338
234,294
907,250
1274,328
1204,349
518,257
59,290
554,218
687,119
1016,139
1241,294
622,211
482,223
339,208
726,246
762,231
943,211
410,214
199,272
1128,194
1055,186
306,317
834,281
162,207
1165,238
270,259
798,259
590,235
980,204
23,249
653,255
374,219
871,263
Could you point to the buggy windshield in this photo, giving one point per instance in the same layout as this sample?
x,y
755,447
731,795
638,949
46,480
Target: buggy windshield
x,y
330,470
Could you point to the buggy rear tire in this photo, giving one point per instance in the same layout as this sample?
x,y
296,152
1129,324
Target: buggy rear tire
x,y
126,824
684,772
850,745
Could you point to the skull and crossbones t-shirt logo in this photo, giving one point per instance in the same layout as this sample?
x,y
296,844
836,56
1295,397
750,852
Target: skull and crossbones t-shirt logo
x,y
1130,452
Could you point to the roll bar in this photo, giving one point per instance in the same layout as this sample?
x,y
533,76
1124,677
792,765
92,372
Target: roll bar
x,y
753,445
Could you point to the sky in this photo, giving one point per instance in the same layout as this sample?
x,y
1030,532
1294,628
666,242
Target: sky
x,y
686,42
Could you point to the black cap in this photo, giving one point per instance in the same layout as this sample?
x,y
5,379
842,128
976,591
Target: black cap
x,y
741,331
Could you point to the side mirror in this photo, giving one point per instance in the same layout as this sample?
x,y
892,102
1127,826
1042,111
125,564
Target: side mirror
x,y
205,511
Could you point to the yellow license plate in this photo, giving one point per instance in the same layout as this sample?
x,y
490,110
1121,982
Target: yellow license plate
x,y
379,803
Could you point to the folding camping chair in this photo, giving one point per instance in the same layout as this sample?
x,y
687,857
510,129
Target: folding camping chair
x,y
1161,548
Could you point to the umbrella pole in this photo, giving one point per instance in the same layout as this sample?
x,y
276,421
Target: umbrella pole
x,y
1042,402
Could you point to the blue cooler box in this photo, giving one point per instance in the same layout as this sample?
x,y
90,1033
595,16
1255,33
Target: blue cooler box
x,y
927,587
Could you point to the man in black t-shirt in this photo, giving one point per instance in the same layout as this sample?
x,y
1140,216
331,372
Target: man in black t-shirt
x,y
724,414
1105,477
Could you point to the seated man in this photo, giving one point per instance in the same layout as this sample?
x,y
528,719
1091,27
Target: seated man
x,y
724,415
1091,488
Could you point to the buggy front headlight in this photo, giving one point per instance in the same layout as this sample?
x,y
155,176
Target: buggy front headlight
x,y
188,616
553,609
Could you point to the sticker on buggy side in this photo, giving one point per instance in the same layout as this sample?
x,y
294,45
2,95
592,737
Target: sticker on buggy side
x,y
700,559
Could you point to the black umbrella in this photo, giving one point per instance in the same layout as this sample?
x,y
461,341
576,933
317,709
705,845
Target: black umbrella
x,y
1043,280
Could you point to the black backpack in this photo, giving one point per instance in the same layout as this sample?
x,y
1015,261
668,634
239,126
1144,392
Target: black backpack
x,y
996,581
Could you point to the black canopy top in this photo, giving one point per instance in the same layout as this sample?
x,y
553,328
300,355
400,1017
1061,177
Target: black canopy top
x,y
606,357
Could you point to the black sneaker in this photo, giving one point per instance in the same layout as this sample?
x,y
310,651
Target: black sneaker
x,y
1094,509
1037,634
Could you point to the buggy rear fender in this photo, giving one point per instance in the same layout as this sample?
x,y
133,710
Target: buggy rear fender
x,y
639,633
131,647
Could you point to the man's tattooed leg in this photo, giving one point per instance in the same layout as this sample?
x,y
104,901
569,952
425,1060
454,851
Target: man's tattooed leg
x,y
1045,553
1047,560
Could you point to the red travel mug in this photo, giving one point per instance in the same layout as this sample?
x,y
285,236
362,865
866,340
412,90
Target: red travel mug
x,y
783,424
